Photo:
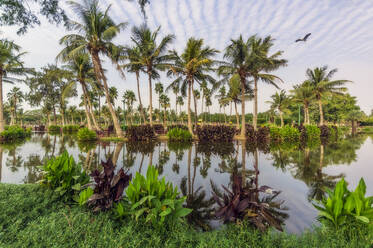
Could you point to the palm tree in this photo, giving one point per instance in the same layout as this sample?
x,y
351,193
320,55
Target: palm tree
x,y
129,98
95,35
10,65
237,56
180,102
320,81
303,93
82,69
192,66
280,101
134,65
153,56
261,63
15,96
165,102
159,91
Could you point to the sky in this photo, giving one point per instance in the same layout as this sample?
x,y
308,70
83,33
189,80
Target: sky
x,y
342,35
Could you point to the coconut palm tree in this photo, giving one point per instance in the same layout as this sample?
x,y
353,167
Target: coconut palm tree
x,y
82,68
129,98
134,65
95,34
193,65
15,96
280,101
303,93
153,55
260,64
320,81
165,103
159,91
11,64
180,102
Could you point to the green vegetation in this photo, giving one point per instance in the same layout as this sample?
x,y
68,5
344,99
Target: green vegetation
x,y
64,176
14,133
31,216
341,203
140,133
84,134
220,133
70,128
178,134
54,129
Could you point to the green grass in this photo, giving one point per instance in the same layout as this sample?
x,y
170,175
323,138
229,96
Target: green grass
x,y
32,216
113,139
368,130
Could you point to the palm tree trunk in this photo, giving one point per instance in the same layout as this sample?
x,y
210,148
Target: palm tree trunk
x,y
202,105
139,96
282,118
305,107
255,114
90,108
195,106
243,155
63,116
237,116
117,150
2,123
243,121
150,98
99,71
321,112
54,115
189,112
86,110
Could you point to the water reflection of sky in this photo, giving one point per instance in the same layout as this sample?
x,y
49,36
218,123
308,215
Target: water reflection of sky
x,y
295,172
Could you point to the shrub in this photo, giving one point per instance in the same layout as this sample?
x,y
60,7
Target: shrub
x,y
159,129
313,132
54,129
274,133
70,128
84,134
341,203
64,176
124,127
13,133
259,136
180,126
289,134
324,132
221,133
177,134
153,199
140,133
108,187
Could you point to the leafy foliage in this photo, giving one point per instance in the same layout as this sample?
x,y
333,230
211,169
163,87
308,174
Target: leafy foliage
x,y
180,126
64,176
108,187
210,133
153,199
342,203
159,129
70,128
289,134
177,134
140,133
84,134
54,129
12,133
244,202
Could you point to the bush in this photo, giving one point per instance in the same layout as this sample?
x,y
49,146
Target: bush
x,y
70,128
140,133
180,126
13,133
220,133
54,129
84,134
159,129
153,199
313,132
259,136
177,134
124,127
275,134
289,134
64,176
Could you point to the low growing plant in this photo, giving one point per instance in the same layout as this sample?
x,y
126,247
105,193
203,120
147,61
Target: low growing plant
x,y
140,133
70,128
341,203
220,133
84,134
153,199
275,134
54,129
108,187
13,133
178,134
64,176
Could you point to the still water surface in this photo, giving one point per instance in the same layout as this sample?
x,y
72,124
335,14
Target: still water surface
x,y
300,174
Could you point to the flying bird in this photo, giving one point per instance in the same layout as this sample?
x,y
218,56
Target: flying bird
x,y
304,38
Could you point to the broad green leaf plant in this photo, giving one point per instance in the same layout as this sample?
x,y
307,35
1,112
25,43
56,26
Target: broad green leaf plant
x,y
152,199
341,203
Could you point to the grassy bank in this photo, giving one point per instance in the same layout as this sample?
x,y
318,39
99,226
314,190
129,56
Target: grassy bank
x,y
33,217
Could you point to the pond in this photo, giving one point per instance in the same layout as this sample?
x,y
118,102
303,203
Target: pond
x,y
301,174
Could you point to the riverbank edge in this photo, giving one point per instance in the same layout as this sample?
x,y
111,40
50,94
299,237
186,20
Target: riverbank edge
x,y
32,216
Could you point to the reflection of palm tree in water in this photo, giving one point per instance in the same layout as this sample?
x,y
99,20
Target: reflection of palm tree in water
x,y
13,161
33,173
1,160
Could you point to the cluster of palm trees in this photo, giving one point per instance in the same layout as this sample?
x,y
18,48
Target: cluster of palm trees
x,y
314,89
245,64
